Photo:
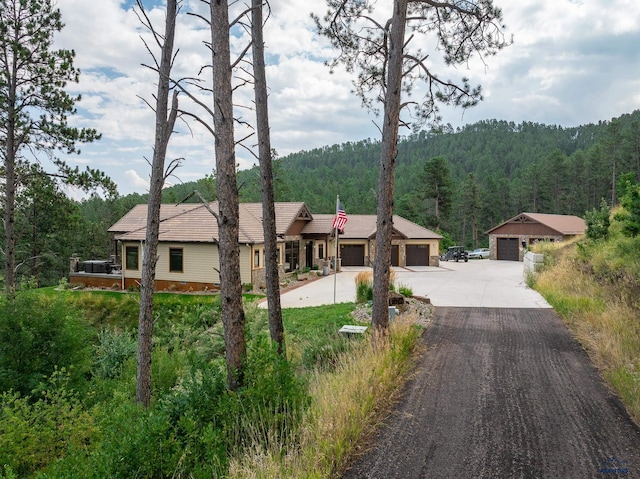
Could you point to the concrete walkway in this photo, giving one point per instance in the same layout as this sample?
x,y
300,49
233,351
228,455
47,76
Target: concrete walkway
x,y
478,283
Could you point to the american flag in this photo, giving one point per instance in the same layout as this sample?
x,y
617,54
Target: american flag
x,y
340,219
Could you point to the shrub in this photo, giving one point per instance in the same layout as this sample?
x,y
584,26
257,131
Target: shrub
x,y
39,334
135,442
32,435
405,290
364,286
630,216
273,398
598,222
113,349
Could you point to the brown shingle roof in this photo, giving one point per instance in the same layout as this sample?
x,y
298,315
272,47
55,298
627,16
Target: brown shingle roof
x,y
563,224
194,223
321,224
137,216
364,226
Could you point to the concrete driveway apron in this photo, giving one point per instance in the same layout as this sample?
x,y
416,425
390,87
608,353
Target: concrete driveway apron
x,y
478,283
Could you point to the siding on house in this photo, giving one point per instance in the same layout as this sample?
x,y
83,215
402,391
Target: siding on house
x,y
200,263
434,245
198,260
245,264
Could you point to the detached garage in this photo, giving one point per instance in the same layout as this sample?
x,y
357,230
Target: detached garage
x,y
508,240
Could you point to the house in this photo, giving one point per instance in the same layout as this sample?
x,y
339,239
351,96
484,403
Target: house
x,y
188,248
508,240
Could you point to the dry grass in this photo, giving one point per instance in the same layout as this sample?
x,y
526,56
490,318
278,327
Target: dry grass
x,y
346,406
607,326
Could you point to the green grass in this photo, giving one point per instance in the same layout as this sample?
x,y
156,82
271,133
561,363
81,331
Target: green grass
x,y
316,321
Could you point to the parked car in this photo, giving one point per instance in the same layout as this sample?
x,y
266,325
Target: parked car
x,y
455,253
479,253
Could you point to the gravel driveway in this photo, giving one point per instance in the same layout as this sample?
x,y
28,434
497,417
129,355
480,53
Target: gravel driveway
x,y
503,393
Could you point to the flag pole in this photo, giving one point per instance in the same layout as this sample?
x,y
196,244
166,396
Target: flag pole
x,y
335,273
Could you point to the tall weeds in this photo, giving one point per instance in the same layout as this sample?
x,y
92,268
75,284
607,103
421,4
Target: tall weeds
x,y
593,297
346,404
364,285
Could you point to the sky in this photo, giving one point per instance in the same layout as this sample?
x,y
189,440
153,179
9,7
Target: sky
x,y
572,62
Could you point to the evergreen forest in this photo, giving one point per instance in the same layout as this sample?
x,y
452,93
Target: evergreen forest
x,y
460,182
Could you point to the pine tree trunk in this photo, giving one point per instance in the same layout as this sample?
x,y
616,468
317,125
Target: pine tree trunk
x,y
228,217
164,128
276,328
10,198
389,151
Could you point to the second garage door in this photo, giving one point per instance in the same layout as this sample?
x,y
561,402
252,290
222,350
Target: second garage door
x,y
352,254
508,249
417,255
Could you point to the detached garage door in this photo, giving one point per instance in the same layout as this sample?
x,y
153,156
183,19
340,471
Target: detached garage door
x,y
352,254
508,249
417,255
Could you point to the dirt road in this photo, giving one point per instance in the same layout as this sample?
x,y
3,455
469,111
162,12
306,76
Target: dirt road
x,y
503,393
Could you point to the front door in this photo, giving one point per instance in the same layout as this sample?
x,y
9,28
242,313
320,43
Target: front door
x,y
309,254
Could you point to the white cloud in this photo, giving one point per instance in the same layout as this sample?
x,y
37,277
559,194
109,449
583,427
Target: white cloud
x,y
136,181
571,62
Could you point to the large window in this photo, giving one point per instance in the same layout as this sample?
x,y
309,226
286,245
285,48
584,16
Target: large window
x,y
175,260
131,254
291,255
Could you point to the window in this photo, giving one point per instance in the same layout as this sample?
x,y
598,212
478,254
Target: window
x,y
320,251
256,258
291,256
131,253
175,260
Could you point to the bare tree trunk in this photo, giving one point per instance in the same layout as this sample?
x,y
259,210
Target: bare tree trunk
x,y
228,217
276,328
164,128
389,151
10,197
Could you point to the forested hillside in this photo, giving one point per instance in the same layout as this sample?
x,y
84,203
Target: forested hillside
x,y
480,175
492,170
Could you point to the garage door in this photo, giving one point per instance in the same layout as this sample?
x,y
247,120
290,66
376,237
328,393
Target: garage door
x,y
395,255
418,255
508,249
352,254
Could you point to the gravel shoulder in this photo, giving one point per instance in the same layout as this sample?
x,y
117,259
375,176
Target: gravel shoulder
x,y
503,393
